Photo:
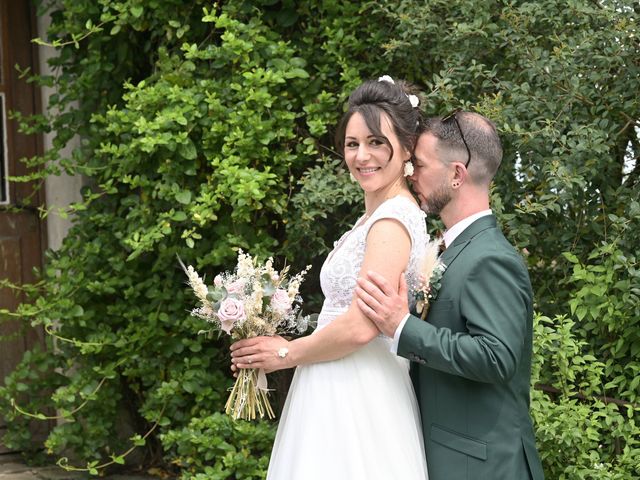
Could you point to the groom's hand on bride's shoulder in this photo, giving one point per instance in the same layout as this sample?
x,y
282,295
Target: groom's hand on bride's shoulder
x,y
381,303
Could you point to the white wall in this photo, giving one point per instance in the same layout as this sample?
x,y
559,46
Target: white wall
x,y
62,190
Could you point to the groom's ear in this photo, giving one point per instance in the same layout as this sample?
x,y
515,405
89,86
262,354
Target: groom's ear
x,y
460,175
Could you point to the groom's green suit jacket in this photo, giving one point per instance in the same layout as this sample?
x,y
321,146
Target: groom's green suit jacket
x,y
471,362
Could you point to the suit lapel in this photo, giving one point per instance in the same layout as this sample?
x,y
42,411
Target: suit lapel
x,y
462,240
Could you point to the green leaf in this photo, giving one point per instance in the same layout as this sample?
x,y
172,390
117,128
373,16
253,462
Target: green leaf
x,y
296,73
137,10
188,150
179,216
184,197
138,441
571,257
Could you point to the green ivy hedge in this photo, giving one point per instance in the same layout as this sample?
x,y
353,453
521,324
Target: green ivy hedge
x,y
211,130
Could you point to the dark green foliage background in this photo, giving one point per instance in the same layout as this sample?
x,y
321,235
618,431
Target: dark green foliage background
x,y
206,128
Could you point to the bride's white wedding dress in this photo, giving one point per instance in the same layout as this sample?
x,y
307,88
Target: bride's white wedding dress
x,y
355,418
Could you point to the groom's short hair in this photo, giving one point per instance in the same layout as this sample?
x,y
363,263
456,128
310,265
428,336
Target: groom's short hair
x,y
481,137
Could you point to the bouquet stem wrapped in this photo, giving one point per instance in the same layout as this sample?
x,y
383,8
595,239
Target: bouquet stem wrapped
x,y
248,398
253,300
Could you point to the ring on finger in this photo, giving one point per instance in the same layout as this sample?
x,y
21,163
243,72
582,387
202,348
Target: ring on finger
x,y
249,361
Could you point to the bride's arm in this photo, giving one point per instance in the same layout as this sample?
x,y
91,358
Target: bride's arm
x,y
387,252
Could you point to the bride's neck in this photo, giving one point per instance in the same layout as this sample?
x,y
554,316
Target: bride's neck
x,y
372,200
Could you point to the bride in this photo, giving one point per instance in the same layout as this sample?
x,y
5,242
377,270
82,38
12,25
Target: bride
x,y
351,413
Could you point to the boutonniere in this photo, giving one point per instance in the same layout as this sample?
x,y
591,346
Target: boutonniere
x,y
431,271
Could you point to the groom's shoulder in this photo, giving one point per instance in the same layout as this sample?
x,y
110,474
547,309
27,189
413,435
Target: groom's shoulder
x,y
493,244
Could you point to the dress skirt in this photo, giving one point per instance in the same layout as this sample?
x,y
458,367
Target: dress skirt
x,y
351,419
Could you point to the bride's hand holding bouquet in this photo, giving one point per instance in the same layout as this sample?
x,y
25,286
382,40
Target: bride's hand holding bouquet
x,y
265,353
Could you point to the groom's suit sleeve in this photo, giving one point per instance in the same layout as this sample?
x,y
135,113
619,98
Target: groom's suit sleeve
x,y
488,327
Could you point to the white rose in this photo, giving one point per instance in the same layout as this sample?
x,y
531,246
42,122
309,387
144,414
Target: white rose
x,y
236,287
280,302
230,311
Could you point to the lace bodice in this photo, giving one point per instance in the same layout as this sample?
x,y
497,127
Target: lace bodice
x,y
341,268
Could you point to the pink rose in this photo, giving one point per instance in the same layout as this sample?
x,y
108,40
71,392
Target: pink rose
x,y
217,281
280,302
230,311
236,287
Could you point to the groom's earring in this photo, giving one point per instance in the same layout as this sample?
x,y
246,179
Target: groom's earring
x,y
455,184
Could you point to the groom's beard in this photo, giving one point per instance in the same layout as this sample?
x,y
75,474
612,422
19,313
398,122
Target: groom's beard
x,y
437,200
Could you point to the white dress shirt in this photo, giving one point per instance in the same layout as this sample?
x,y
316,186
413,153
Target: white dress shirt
x,y
448,236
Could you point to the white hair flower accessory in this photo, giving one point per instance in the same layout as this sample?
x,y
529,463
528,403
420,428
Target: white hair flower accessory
x,y
408,168
413,99
386,78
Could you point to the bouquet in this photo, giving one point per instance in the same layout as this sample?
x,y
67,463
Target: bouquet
x,y
253,300
431,271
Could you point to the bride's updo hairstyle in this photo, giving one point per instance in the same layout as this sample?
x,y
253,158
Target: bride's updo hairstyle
x,y
391,97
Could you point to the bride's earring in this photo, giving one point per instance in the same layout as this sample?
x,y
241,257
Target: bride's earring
x,y
408,168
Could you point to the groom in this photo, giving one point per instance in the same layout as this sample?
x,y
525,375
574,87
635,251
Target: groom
x,y
471,358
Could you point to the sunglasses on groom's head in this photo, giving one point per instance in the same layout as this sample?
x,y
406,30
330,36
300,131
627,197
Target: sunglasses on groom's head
x,y
450,116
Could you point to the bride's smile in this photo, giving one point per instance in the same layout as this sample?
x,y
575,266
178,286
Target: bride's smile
x,y
368,171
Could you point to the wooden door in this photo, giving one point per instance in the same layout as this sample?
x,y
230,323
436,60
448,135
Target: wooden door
x,y
21,232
